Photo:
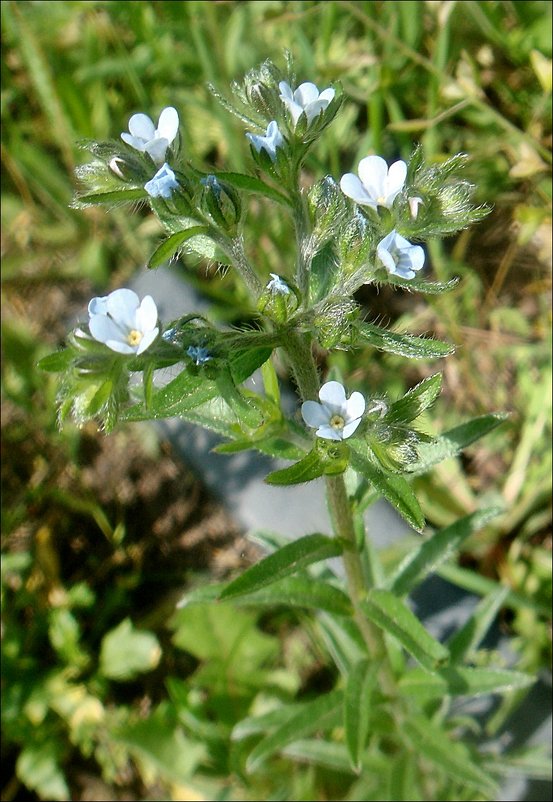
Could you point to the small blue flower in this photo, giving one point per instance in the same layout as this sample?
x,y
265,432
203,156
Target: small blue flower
x,y
270,142
399,256
162,184
148,139
377,184
306,99
336,417
199,354
123,322
277,285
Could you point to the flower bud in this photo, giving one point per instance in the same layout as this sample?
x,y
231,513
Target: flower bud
x,y
334,322
327,207
222,202
279,300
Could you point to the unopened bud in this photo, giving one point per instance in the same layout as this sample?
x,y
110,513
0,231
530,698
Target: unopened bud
x,y
221,201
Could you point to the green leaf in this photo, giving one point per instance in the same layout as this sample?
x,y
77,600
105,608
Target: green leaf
x,y
360,685
126,652
468,638
56,363
433,743
270,445
285,561
533,763
183,393
451,443
320,715
402,344
437,549
418,285
462,681
395,489
415,400
38,768
331,755
252,184
248,360
393,616
313,594
117,197
171,245
308,468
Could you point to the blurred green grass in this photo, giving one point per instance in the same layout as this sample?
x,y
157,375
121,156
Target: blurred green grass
x,y
471,76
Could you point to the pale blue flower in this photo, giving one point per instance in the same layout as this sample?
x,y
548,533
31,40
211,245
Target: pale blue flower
x,y
335,418
277,285
272,140
162,184
306,99
146,138
123,322
199,354
376,185
399,256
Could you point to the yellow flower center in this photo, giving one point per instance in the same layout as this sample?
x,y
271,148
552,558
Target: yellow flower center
x,y
134,337
337,422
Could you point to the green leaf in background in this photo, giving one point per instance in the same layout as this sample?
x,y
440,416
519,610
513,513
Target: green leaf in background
x,y
418,285
170,246
467,639
323,713
285,561
532,763
395,489
436,550
393,616
126,652
462,681
38,768
450,443
402,344
308,468
359,688
252,184
454,758
115,198
183,393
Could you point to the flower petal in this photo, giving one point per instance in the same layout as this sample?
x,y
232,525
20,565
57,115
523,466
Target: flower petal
x,y
146,314
137,144
147,340
328,433
98,306
354,189
396,179
285,91
122,305
168,125
157,148
306,93
349,428
333,395
327,95
314,414
141,126
373,172
355,406
121,347
103,329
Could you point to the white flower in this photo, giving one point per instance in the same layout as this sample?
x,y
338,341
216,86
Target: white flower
x,y
336,417
277,285
122,322
305,100
162,184
399,256
377,185
272,140
148,139
414,204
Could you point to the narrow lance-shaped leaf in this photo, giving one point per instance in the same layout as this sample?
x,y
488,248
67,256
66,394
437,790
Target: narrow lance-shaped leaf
x,y
308,468
450,443
472,633
116,197
395,489
170,246
322,714
437,549
415,400
402,344
462,681
361,682
285,561
393,616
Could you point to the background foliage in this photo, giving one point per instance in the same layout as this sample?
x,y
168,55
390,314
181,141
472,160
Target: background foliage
x,y
103,682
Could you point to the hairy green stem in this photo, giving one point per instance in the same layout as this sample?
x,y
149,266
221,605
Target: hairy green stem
x,y
235,249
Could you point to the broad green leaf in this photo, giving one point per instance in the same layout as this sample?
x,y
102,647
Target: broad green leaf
x,y
285,561
308,468
252,184
171,245
357,698
38,768
117,197
395,489
320,715
471,634
436,550
183,393
126,652
55,363
393,616
454,758
415,400
402,344
162,746
463,681
450,443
